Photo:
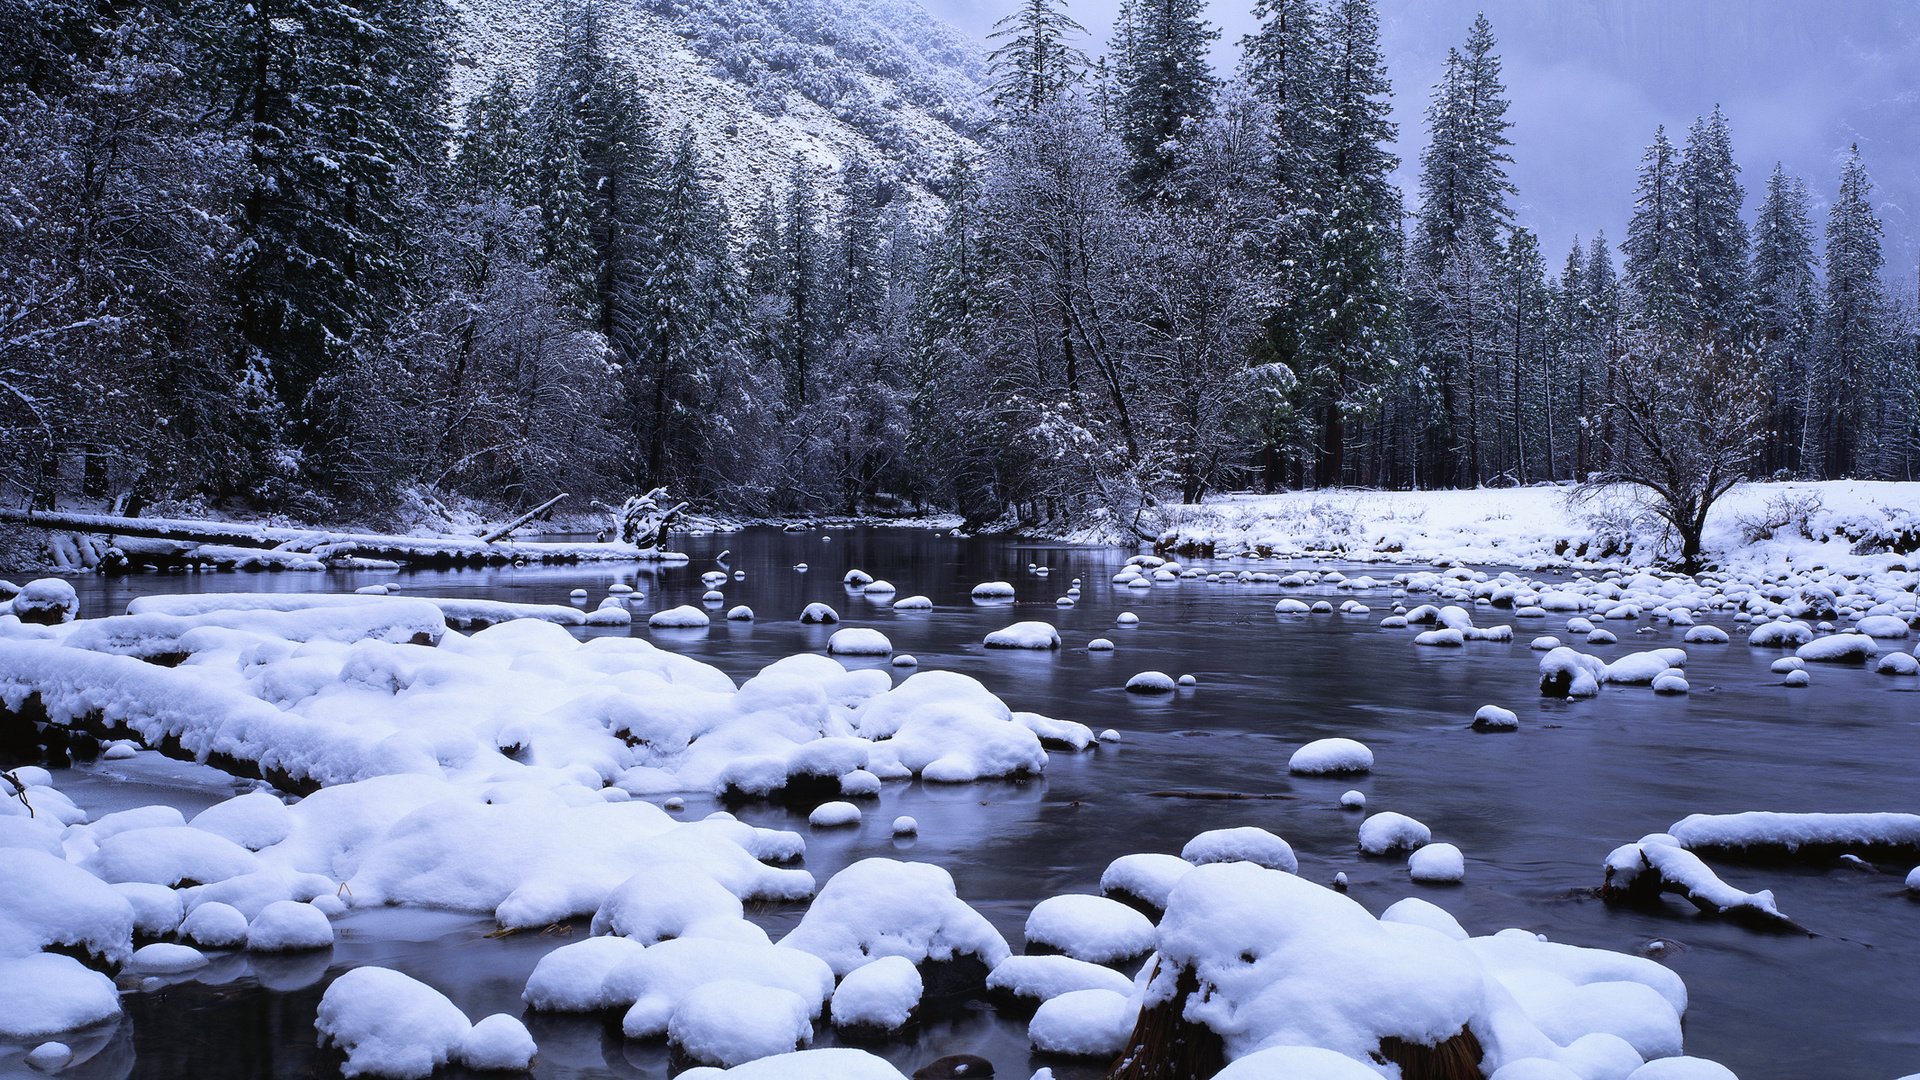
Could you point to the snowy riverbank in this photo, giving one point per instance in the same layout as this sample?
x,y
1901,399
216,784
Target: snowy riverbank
x,y
1836,523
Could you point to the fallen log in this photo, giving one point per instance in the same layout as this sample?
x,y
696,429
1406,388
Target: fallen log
x,y
230,542
503,531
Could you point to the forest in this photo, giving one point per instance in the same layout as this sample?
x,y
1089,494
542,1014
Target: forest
x,y
257,256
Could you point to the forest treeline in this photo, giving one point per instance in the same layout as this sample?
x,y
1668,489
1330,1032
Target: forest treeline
x,y
249,252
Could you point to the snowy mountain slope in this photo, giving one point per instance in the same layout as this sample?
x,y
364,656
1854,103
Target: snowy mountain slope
x,y
761,81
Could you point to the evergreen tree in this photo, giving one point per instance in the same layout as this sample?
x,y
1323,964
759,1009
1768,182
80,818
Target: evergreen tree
x,y
1351,334
339,102
1036,65
1464,212
1657,242
1785,301
1165,87
1712,233
1853,329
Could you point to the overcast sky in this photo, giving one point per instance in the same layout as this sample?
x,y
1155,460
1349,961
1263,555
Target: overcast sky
x,y
1799,79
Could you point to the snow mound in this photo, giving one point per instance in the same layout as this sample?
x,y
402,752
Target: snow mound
x,y
1389,831
859,641
497,1043
48,902
47,993
1090,928
913,603
1025,981
877,998
993,590
1151,682
1839,649
1082,1023
684,617
1025,635
1144,879
730,1022
881,907
1246,843
1437,864
1495,718
390,1025
837,1063
819,613
1331,757
289,926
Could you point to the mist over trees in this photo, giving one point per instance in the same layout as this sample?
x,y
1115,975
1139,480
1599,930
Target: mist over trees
x,y
253,253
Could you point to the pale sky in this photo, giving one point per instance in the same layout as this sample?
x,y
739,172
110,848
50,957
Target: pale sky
x,y
1799,80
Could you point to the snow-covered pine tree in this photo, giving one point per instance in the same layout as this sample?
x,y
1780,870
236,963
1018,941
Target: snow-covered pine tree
x,y
1786,312
1854,335
1036,62
1284,65
692,325
1713,234
339,102
1529,449
1352,333
1657,242
1165,87
1465,210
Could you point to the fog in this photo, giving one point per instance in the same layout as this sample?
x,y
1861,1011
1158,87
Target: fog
x,y
1590,79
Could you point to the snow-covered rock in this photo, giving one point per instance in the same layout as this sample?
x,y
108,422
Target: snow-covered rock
x,y
684,617
1091,928
1025,635
1151,682
730,1022
1389,831
1244,843
390,1025
1331,757
46,993
1082,1023
289,926
859,641
882,907
877,998
1437,863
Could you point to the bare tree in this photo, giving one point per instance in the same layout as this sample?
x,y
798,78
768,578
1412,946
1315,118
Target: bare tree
x,y
1690,420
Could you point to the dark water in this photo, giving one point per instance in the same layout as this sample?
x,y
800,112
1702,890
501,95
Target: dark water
x,y
1535,812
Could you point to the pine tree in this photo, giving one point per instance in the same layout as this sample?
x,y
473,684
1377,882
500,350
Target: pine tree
x,y
1527,312
340,101
1785,314
1464,212
1713,235
1853,329
803,339
1352,336
1657,242
491,153
1036,65
1165,87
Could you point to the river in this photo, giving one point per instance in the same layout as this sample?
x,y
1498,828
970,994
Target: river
x,y
1535,812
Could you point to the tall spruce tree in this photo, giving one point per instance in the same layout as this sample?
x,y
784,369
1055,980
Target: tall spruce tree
x,y
1713,235
1786,313
1165,87
1351,335
1853,329
1657,243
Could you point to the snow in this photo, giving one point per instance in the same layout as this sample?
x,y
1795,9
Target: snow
x,y
497,1043
1437,864
1082,1023
834,814
1761,830
684,617
1025,635
1839,649
1389,831
1034,979
837,1063
1495,718
255,820
878,997
289,926
165,958
729,1022
1295,1063
1705,635
1245,843
1151,682
215,925
50,1057
47,902
1682,1068
1147,877
859,641
47,994
818,613
389,1025
882,907
993,590
653,906
1090,928
913,603
1331,757
1524,526
1898,663
45,601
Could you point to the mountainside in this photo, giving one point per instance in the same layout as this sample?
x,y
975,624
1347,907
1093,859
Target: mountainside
x,y
761,81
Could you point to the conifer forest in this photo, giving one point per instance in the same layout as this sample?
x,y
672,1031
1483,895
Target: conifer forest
x,y
273,255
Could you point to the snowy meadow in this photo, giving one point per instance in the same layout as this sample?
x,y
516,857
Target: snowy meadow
x,y
587,821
